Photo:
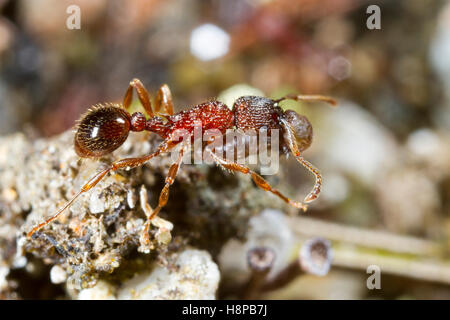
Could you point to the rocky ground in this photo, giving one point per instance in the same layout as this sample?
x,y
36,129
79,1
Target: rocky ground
x,y
98,237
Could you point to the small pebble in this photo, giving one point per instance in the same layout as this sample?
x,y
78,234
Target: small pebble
x,y
57,274
96,205
131,198
101,291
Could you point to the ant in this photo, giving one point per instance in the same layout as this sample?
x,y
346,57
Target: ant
x,y
105,127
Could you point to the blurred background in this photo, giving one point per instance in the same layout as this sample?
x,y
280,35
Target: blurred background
x,y
384,152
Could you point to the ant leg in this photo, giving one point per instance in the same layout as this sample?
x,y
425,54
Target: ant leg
x,y
164,99
314,194
164,195
309,98
116,165
260,181
142,94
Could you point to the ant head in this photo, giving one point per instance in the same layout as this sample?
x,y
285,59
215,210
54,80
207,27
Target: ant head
x,y
102,130
302,128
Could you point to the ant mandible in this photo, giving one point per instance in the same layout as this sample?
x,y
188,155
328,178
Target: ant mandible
x,y
105,127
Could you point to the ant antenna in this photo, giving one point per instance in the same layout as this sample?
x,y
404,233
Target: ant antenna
x,y
309,98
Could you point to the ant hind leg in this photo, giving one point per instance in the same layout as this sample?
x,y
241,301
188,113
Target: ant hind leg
x,y
164,100
143,95
116,165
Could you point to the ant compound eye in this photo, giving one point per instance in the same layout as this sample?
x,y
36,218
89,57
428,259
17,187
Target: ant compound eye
x,y
101,130
302,128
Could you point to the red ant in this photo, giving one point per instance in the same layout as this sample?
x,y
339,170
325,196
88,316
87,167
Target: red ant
x,y
104,128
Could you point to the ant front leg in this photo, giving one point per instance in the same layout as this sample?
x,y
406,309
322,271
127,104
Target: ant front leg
x,y
293,146
116,165
308,98
164,195
260,181
164,100
142,94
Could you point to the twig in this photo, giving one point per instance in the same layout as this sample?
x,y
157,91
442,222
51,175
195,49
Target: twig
x,y
420,269
260,261
358,248
308,227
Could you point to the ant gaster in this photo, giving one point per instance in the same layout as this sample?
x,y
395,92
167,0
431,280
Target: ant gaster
x,y
104,128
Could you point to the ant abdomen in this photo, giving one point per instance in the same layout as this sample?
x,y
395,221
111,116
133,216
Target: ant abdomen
x,y
101,130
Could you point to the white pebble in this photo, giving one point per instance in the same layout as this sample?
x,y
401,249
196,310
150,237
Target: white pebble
x,y
58,274
131,198
196,278
101,291
423,142
96,205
